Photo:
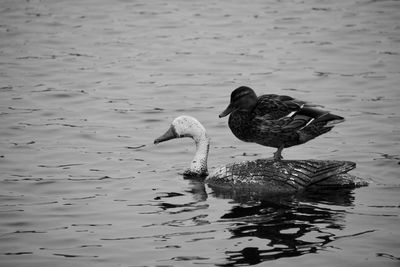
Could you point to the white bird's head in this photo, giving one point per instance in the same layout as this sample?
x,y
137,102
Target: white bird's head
x,y
183,126
187,126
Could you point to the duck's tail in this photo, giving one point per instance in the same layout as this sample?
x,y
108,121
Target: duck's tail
x,y
320,116
321,122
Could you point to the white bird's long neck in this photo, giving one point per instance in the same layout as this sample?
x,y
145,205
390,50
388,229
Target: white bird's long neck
x,y
199,162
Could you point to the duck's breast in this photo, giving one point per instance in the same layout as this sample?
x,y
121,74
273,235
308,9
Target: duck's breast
x,y
241,126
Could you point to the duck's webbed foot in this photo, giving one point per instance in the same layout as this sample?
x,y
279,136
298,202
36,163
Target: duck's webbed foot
x,y
278,154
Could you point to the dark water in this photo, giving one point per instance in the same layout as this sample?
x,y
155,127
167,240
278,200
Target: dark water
x,y
86,86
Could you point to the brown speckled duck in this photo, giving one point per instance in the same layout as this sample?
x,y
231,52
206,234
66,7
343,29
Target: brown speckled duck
x,y
275,120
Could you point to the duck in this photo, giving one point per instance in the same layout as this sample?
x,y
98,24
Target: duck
x,y
278,121
261,175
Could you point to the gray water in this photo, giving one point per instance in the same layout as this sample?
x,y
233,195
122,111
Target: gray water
x,y
86,86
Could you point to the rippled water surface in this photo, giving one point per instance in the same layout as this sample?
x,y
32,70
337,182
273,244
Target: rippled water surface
x,y
86,86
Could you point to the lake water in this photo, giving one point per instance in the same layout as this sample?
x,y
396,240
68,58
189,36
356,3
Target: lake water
x,y
86,86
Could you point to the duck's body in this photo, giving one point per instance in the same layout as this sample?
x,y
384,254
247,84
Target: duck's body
x,y
277,121
266,175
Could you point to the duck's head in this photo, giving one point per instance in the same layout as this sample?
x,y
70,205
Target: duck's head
x,y
187,126
242,99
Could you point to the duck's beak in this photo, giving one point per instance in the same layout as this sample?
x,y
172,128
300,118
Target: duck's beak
x,y
168,135
227,111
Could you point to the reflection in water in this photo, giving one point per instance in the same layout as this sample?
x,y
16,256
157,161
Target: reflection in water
x,y
290,225
290,229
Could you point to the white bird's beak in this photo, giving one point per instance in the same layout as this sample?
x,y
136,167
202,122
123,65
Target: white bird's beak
x,y
168,135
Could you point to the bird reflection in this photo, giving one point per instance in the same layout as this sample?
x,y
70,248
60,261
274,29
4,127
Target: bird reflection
x,y
291,225
286,225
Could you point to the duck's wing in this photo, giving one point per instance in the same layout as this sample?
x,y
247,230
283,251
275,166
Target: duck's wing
x,y
285,125
274,107
266,126
285,114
